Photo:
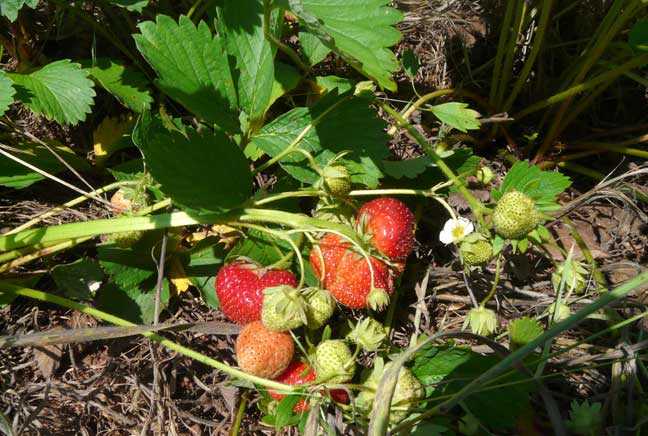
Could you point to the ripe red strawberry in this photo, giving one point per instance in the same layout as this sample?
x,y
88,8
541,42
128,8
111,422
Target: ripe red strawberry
x,y
391,226
332,249
240,285
262,352
350,284
299,373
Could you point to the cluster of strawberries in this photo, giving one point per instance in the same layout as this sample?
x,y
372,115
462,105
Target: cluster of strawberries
x,y
355,275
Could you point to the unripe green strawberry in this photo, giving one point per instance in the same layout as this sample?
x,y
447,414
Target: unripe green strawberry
x,y
407,392
127,239
336,179
283,308
334,362
320,305
476,252
515,215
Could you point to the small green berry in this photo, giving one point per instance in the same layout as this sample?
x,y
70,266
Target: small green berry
x,y
320,305
515,215
334,362
476,252
337,180
127,239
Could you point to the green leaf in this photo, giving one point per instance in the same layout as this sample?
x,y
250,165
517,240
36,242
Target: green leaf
x,y
313,48
241,28
542,186
60,90
260,247
127,85
192,67
524,330
202,264
284,415
444,370
7,92
17,176
130,291
585,418
197,169
78,280
131,5
10,8
457,115
411,63
330,83
338,123
358,30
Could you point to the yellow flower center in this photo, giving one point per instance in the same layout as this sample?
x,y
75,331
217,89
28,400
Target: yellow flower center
x,y
458,232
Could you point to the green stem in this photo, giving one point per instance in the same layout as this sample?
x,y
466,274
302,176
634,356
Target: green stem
x,y
613,148
417,104
46,251
584,86
44,235
239,415
535,50
501,50
598,276
507,68
498,268
461,187
67,205
10,289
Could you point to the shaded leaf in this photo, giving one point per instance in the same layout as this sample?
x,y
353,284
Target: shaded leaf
x,y
198,169
286,79
457,115
338,123
330,83
111,135
7,92
261,247
127,85
60,90
313,48
17,176
444,370
131,5
78,280
358,30
192,67
410,63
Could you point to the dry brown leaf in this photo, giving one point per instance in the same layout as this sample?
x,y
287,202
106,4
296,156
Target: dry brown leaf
x,y
48,359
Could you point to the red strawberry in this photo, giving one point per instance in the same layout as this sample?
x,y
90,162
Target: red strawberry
x,y
240,286
351,282
390,225
332,249
262,352
299,373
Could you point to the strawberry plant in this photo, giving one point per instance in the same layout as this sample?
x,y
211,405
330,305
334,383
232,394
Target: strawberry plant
x,y
252,189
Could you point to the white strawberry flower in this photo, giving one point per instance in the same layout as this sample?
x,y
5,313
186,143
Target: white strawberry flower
x,y
455,230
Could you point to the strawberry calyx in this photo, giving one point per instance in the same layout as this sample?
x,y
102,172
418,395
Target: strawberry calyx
x,y
368,334
284,308
378,299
